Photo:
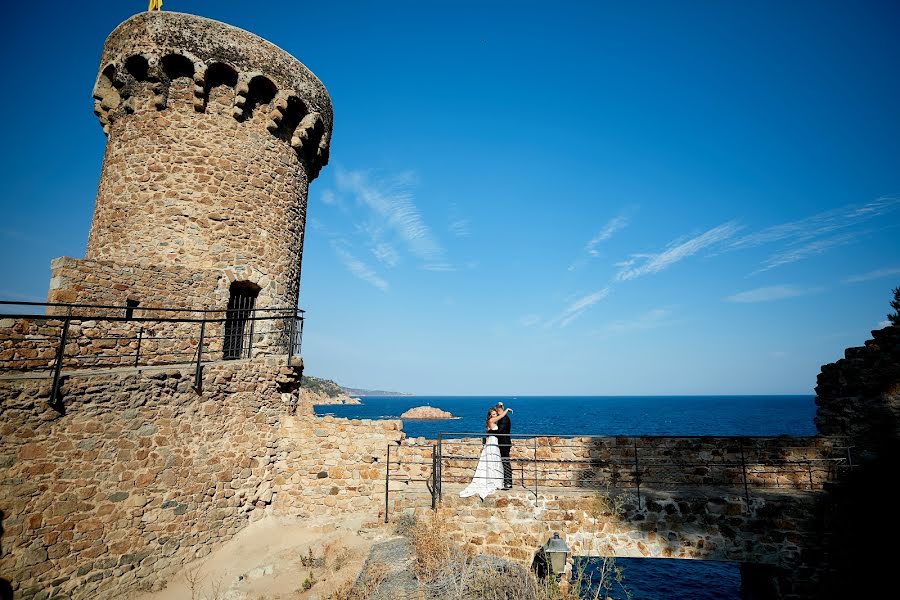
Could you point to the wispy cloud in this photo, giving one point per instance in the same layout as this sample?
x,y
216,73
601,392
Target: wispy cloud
x,y
529,320
873,275
646,264
816,234
818,225
769,293
883,324
391,200
358,267
813,248
461,228
611,227
577,308
649,320
386,254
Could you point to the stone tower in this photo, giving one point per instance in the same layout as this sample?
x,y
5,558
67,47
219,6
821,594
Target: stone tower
x,y
214,135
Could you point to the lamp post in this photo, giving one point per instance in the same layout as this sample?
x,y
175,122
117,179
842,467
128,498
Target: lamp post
x,y
557,551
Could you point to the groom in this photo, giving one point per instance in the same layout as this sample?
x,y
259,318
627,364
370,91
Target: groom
x,y
503,427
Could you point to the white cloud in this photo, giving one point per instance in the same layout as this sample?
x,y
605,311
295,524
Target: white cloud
x,y
461,228
818,225
358,267
675,252
769,293
648,320
577,308
873,275
813,248
439,267
611,227
392,204
529,320
386,254
328,197
883,324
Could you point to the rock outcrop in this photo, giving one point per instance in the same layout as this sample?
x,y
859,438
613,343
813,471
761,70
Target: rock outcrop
x,y
426,413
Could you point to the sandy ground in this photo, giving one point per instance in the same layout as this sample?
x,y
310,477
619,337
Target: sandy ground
x,y
265,561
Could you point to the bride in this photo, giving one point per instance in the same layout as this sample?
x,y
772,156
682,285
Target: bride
x,y
489,472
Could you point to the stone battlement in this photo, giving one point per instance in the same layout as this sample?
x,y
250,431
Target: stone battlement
x,y
156,61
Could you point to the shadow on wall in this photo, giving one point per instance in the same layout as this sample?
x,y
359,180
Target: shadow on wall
x,y
5,585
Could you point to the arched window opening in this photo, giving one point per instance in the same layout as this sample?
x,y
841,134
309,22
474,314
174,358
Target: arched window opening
x,y
138,67
262,91
220,77
239,322
177,65
294,112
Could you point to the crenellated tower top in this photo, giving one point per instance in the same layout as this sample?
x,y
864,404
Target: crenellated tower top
x,y
150,54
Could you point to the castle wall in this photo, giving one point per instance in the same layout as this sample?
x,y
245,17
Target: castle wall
x,y
111,283
139,475
858,396
203,191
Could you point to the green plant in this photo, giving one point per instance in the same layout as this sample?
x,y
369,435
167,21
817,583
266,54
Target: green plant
x,y
894,317
309,581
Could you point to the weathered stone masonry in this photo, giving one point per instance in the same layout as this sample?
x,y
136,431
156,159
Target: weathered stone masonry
x,y
213,137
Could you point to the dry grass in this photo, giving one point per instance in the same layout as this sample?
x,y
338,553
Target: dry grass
x,y
369,581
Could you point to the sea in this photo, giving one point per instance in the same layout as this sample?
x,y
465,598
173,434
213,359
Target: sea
x,y
645,579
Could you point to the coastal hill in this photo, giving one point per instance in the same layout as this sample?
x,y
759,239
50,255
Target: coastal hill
x,y
324,391
362,392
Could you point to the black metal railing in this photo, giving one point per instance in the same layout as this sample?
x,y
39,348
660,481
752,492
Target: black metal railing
x,y
80,336
544,463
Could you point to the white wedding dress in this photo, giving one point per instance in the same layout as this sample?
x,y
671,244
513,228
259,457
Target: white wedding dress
x,y
489,472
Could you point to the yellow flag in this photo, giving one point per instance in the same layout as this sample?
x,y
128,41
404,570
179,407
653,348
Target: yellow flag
x,y
154,5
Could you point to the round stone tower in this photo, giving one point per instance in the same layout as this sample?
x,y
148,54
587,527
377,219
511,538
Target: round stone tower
x,y
213,137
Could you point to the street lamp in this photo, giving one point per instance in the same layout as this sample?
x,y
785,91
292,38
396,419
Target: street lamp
x,y
557,552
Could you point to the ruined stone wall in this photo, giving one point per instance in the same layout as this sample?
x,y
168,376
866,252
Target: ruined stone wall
x,y
139,475
858,396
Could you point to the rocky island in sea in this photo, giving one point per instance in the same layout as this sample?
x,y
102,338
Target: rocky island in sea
x,y
426,413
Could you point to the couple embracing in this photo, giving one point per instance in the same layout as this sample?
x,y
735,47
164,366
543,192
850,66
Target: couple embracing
x,y
493,471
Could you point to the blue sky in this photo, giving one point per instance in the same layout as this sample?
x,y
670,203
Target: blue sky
x,y
528,198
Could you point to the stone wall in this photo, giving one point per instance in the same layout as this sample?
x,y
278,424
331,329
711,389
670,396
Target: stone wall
x,y
32,344
858,396
107,283
213,137
770,529
140,474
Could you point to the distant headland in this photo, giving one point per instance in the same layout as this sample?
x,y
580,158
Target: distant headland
x,y
362,392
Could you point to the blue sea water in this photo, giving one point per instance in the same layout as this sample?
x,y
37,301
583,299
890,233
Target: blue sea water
x,y
646,579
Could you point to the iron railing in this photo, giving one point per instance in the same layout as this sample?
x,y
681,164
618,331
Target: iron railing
x,y
95,336
576,464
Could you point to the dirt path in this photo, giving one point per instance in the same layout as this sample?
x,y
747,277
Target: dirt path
x,y
271,560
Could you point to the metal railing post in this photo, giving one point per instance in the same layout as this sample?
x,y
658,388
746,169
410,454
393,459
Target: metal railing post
x,y
809,470
60,354
198,375
290,348
434,476
744,473
637,473
440,467
250,337
535,468
387,483
137,354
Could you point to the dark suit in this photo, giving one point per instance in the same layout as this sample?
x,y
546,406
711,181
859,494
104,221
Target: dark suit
x,y
503,427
